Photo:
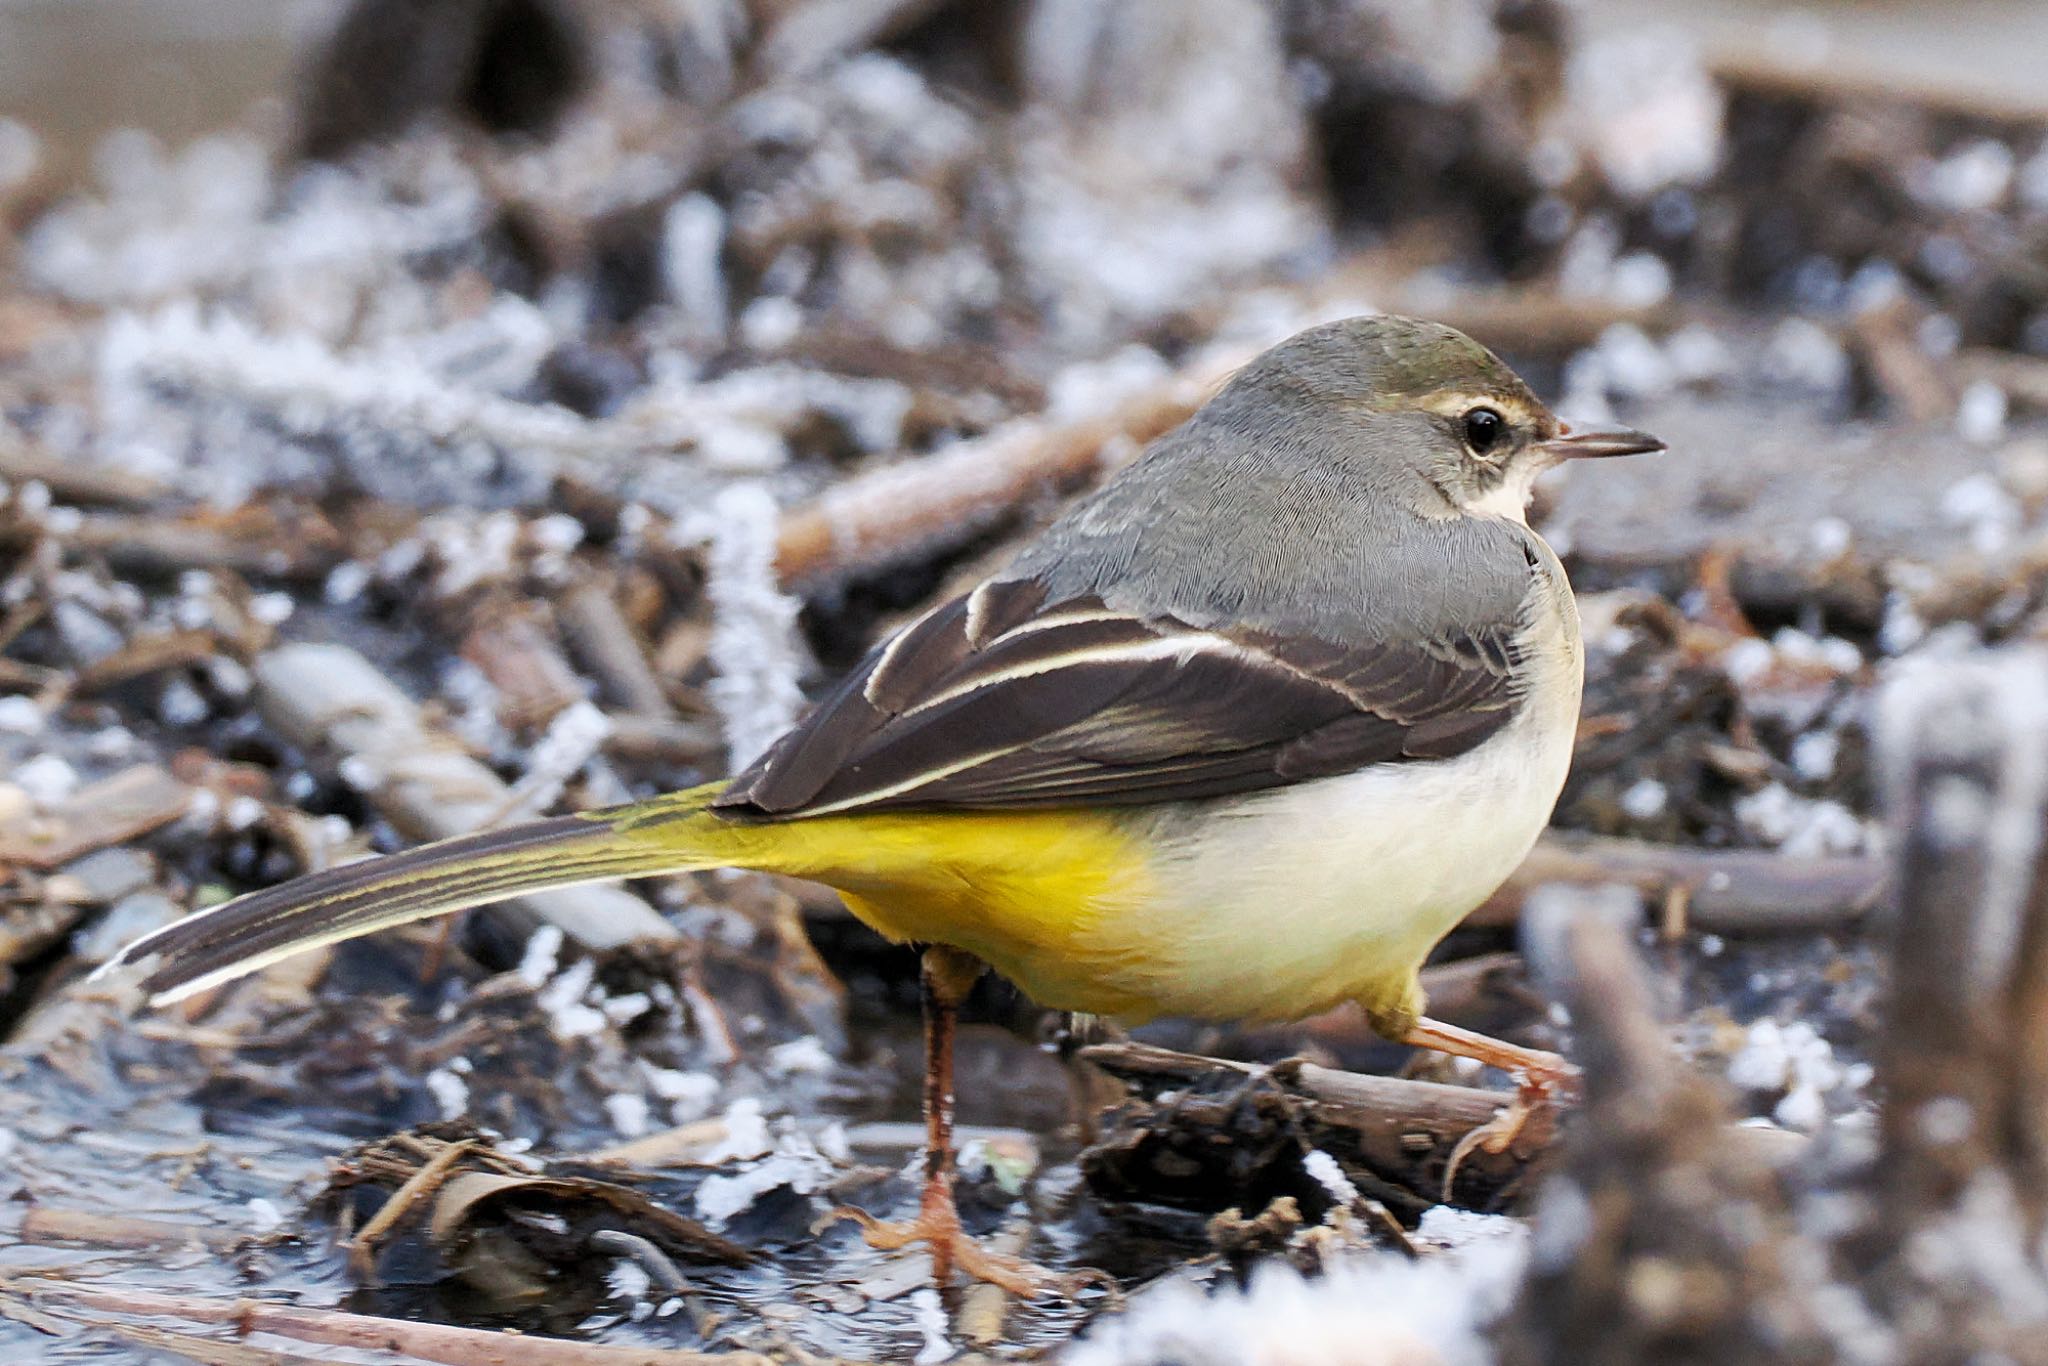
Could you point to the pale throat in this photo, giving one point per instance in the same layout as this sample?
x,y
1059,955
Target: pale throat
x,y
1510,497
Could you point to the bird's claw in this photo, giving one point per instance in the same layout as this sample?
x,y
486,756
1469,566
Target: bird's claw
x,y
952,1248
1539,1085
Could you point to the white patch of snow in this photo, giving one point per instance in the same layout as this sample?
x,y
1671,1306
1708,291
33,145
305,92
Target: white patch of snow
x,y
1814,755
723,1195
46,779
562,1000
754,645
543,950
1324,1170
20,715
807,1056
628,1280
931,1321
1795,1060
1981,413
1435,1309
1645,105
1645,799
450,1092
629,1114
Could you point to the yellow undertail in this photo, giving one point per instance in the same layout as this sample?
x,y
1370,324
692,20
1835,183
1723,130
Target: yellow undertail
x,y
1023,890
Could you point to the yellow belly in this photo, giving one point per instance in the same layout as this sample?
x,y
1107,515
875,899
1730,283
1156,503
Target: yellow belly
x,y
1039,895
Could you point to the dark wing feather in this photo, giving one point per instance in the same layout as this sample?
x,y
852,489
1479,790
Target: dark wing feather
x,y
1001,699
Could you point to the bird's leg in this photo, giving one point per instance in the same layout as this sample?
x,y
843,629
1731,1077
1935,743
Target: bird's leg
x,y
1540,1078
1532,1067
946,976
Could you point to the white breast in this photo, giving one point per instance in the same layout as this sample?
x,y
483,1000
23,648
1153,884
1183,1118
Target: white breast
x,y
1289,901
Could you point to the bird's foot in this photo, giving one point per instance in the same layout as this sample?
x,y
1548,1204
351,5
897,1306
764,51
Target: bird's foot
x,y
1507,1124
937,1225
1542,1079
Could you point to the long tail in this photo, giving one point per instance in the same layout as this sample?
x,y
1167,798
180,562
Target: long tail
x,y
671,834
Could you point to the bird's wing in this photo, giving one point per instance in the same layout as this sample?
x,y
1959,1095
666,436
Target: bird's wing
x,y
1002,699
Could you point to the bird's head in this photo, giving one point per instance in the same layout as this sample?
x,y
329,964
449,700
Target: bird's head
x,y
1450,426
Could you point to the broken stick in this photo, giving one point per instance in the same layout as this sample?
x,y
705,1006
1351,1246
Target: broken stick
x,y
937,502
1732,891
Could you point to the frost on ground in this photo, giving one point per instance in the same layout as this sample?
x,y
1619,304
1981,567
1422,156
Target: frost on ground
x,y
1795,1064
790,1158
1381,1309
754,644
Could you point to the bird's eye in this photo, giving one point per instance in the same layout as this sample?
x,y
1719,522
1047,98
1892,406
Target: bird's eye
x,y
1484,429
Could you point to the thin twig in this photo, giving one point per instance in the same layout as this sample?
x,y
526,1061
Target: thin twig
x,y
983,1308
95,1228
71,482
362,1251
425,1341
603,639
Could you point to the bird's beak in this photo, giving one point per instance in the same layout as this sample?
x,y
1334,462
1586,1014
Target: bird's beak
x,y
1599,443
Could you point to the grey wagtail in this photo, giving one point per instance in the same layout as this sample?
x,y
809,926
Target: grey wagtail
x,y
1242,735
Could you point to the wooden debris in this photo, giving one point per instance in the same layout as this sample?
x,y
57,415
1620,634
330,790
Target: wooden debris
x,y
145,654
205,1351
468,1201
921,507
985,1305
1952,1250
27,930
335,1328
662,740
606,643
1672,1241
1763,66
512,1230
251,542
1233,1133
1916,388
1730,891
125,806
1668,1242
518,655
71,482
102,1229
362,1249
680,1146
2023,378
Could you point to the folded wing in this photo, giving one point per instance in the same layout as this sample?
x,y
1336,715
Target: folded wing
x,y
1002,699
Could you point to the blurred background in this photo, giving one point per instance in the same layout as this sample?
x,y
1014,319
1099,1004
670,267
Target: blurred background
x,y
417,415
